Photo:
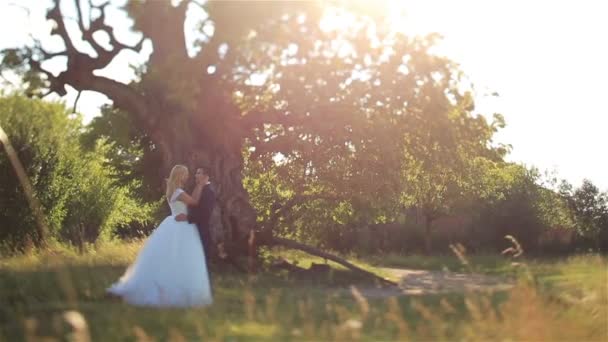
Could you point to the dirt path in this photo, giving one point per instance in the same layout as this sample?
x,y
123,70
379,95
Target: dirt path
x,y
421,282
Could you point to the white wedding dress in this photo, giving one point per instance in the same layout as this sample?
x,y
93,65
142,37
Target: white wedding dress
x,y
170,270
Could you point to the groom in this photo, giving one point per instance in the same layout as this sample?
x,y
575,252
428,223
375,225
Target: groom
x,y
201,213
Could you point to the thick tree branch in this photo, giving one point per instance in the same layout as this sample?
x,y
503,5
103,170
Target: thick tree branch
x,y
87,34
60,29
79,13
169,41
50,55
104,56
292,202
56,85
121,94
80,66
317,252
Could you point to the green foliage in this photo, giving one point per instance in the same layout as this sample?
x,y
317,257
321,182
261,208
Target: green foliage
x,y
441,153
362,133
98,206
511,208
77,189
589,209
33,82
384,148
289,206
43,136
512,200
130,152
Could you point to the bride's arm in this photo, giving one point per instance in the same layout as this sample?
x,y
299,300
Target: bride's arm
x,y
191,200
196,194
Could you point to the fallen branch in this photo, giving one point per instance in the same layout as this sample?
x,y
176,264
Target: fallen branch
x,y
265,239
317,252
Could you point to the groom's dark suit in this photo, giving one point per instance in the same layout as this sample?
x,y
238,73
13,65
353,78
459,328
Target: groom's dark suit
x,y
200,215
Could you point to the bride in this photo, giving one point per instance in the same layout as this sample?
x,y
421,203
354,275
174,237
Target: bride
x,y
170,269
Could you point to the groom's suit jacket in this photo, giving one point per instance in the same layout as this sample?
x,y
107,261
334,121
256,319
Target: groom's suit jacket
x,y
200,216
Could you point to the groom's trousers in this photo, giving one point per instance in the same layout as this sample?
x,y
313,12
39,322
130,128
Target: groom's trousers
x,y
205,236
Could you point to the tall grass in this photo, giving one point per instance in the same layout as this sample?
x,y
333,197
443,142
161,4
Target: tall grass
x,y
60,295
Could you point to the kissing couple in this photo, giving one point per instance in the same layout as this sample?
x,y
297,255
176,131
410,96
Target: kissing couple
x,y
171,268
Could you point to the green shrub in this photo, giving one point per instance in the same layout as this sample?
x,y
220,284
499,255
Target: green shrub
x,y
76,188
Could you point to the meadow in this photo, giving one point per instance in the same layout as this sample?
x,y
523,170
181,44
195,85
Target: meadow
x,y
59,295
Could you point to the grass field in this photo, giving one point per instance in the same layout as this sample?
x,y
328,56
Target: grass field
x,y
60,296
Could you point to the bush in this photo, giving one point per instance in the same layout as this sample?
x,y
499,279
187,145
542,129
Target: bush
x,y
514,202
77,189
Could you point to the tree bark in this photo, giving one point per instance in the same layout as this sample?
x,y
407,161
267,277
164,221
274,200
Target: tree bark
x,y
238,217
233,218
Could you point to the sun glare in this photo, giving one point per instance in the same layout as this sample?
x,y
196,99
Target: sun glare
x,y
412,17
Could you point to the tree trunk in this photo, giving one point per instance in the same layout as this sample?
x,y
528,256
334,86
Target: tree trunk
x,y
233,218
236,215
427,234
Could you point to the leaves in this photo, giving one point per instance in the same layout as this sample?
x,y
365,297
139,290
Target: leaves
x,y
589,208
78,189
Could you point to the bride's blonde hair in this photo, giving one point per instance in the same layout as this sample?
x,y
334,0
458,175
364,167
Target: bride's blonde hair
x,y
177,178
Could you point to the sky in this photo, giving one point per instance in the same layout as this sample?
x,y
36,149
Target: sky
x,y
547,60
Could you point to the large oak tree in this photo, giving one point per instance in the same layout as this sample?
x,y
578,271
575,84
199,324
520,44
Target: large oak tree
x,y
324,86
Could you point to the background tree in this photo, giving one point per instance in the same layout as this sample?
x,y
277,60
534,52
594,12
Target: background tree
x,y
443,143
589,208
131,152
